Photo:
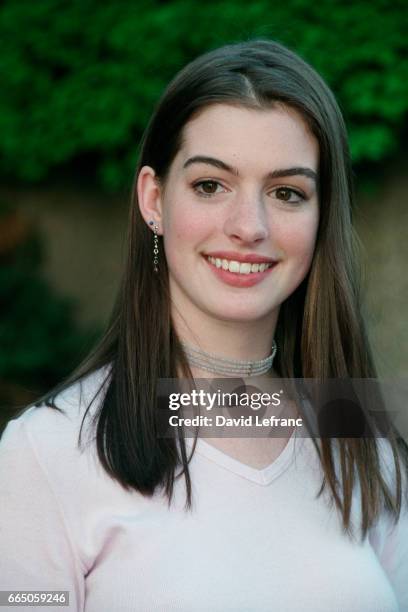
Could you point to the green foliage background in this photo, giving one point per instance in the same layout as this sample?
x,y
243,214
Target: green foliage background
x,y
80,78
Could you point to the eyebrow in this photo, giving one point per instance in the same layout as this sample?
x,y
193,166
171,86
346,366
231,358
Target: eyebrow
x,y
212,161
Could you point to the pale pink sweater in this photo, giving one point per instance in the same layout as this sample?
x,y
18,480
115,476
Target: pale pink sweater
x,y
255,540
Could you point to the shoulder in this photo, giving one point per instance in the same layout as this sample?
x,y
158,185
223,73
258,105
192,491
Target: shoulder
x,y
387,525
388,462
51,434
52,490
389,536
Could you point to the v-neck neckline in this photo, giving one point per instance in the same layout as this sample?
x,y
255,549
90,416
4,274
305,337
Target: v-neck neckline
x,y
263,476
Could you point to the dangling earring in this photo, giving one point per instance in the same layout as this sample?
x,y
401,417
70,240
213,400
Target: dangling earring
x,y
155,246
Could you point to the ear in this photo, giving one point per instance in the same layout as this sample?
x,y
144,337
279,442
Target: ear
x,y
149,197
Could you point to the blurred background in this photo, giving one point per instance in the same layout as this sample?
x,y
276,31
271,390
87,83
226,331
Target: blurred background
x,y
79,81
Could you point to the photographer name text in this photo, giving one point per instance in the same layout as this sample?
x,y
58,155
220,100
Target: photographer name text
x,y
222,421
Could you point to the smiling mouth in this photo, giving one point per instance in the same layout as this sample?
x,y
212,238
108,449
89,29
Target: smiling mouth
x,y
237,267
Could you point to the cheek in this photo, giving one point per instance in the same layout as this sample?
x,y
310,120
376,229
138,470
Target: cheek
x,y
184,225
297,238
183,233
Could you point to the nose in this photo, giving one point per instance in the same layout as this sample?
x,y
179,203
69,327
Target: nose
x,y
246,221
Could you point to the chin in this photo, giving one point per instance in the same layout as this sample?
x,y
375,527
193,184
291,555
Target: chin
x,y
241,313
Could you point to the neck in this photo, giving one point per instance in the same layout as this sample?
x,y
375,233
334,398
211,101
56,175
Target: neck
x,y
234,340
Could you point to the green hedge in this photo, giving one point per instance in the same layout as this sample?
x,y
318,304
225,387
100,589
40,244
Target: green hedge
x,y
80,78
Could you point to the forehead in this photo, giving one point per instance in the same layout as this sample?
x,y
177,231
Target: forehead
x,y
250,137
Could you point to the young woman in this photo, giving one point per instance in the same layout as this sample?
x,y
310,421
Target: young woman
x,y
240,249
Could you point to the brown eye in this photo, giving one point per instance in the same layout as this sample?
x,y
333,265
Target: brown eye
x,y
286,194
209,186
283,193
206,188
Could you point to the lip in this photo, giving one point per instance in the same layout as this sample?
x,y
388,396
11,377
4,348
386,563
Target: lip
x,y
239,280
241,257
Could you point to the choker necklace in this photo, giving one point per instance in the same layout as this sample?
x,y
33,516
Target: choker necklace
x,y
228,367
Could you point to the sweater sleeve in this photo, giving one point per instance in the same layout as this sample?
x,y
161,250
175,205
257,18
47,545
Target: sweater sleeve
x,y
389,539
37,552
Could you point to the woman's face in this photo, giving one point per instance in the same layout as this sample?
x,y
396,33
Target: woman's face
x,y
241,194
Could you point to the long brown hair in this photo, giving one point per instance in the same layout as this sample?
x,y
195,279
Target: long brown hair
x,y
320,330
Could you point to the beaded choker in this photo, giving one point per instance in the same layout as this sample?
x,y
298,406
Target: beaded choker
x,y
228,367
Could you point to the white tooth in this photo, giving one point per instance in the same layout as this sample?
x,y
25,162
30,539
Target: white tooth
x,y
233,266
236,267
245,268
